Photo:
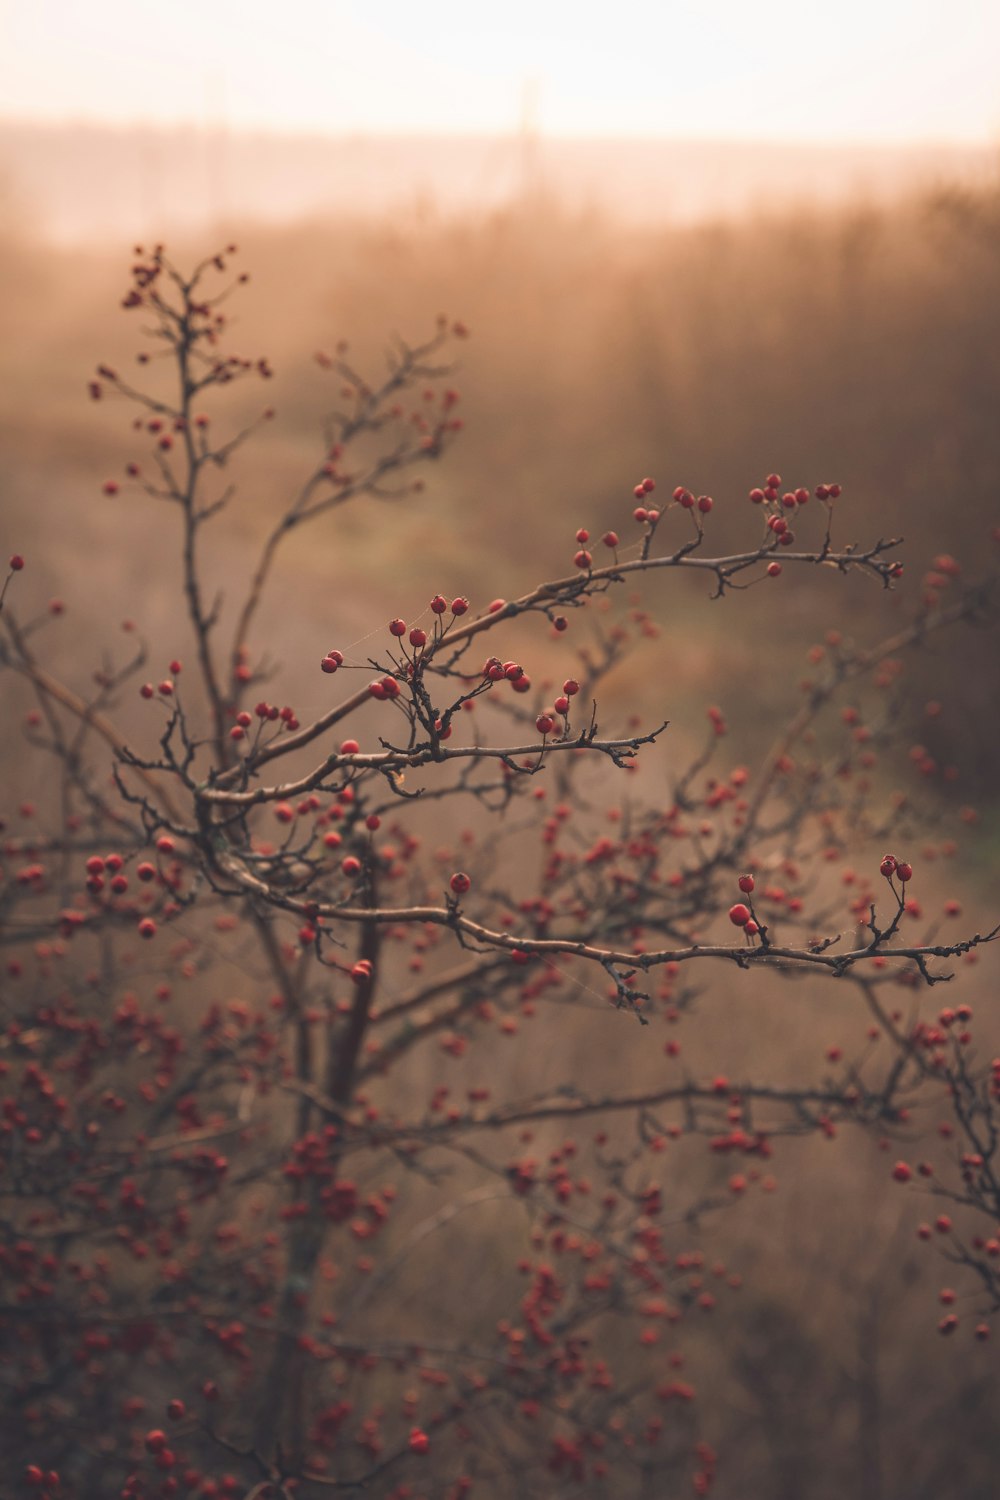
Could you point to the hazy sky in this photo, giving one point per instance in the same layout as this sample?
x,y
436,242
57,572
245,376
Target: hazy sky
x,y
853,70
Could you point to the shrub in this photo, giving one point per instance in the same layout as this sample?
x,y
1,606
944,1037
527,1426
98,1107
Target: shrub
x,y
269,1178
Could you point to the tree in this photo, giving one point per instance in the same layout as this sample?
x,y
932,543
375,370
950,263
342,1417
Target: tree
x,y
276,1217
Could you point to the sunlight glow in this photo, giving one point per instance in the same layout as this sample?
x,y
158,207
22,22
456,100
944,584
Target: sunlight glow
x,y
862,70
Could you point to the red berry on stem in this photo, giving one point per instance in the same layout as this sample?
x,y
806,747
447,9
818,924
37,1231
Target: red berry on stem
x,y
739,914
460,882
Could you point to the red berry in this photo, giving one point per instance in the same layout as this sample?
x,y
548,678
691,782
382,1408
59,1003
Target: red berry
x,y
773,481
561,704
459,606
746,884
545,724
888,866
351,866
460,883
147,928
418,637
583,558
176,1410
904,871
156,1441
583,535
705,503
16,563
610,539
397,627
571,687
773,569
439,604
739,914
349,747
419,1441
757,496
902,1172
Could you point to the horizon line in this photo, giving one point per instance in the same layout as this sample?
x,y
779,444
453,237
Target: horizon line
x,y
335,135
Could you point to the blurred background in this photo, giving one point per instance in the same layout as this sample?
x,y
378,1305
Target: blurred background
x,y
695,241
